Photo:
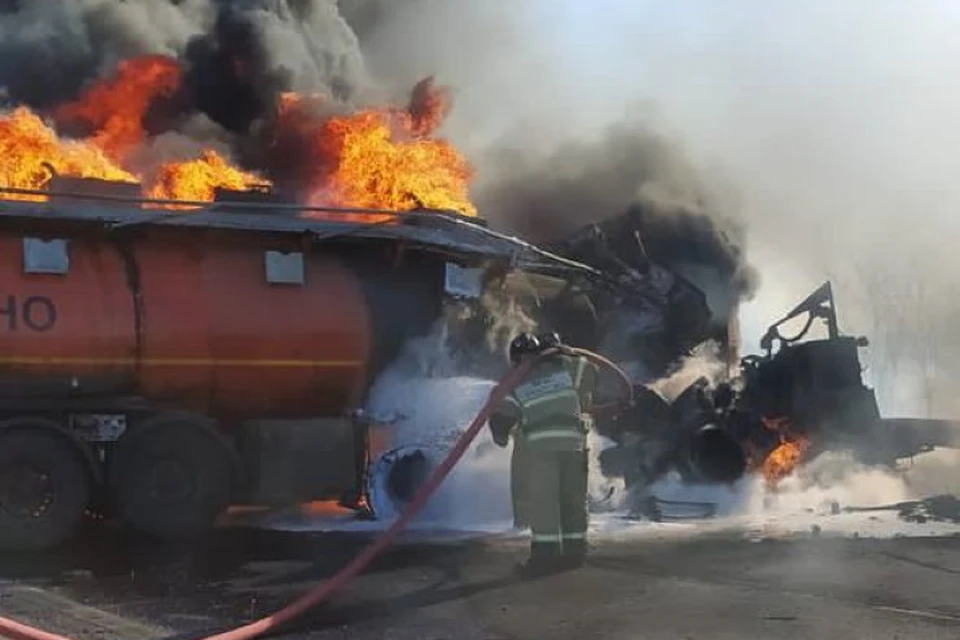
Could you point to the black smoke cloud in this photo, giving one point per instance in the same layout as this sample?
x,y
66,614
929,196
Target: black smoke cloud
x,y
239,54
49,49
258,48
632,183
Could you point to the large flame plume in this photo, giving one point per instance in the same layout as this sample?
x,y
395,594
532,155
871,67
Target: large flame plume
x,y
376,158
28,146
112,111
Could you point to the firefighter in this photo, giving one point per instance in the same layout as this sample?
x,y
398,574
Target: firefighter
x,y
547,412
518,466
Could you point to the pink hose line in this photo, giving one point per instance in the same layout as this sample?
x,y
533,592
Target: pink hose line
x,y
18,631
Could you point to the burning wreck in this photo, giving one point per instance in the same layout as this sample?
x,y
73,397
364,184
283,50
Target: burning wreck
x,y
164,359
182,333
206,271
213,253
768,414
161,364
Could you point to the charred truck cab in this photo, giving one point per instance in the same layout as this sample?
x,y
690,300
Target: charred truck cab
x,y
811,390
800,398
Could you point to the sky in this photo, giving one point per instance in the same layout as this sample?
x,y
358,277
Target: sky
x,y
839,117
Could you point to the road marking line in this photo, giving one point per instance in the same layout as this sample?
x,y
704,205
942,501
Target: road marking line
x,y
918,613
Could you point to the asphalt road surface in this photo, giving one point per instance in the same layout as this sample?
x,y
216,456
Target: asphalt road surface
x,y
705,585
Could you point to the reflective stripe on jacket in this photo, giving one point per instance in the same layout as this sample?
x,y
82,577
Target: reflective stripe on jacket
x,y
551,402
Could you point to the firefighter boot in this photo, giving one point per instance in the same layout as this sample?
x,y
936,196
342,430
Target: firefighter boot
x,y
574,553
545,559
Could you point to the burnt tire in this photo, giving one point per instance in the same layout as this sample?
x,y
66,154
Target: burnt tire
x,y
171,477
44,489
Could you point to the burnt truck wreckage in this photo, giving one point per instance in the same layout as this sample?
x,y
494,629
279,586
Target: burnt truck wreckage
x,y
804,398
163,361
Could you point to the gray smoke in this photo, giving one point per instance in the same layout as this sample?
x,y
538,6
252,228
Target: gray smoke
x,y
246,49
256,49
544,191
832,122
239,54
539,188
549,161
50,48
366,17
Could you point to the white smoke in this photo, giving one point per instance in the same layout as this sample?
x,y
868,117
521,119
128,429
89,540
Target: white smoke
x,y
704,361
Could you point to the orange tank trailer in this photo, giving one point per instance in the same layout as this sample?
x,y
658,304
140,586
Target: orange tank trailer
x,y
209,331
227,343
162,373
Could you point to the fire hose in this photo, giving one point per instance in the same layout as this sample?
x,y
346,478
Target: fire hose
x,y
18,631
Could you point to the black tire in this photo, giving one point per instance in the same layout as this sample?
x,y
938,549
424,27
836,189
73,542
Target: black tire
x,y
171,477
44,489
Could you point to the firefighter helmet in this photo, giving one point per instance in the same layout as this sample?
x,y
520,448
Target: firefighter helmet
x,y
550,340
524,344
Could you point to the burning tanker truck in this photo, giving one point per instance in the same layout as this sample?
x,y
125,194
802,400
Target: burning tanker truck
x,y
174,343
162,361
159,366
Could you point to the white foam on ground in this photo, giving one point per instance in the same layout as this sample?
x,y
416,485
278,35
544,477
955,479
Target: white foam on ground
x,y
432,413
807,500
435,412
474,500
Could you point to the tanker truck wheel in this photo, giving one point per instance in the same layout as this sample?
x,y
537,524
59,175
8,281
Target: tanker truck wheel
x,y
44,488
171,476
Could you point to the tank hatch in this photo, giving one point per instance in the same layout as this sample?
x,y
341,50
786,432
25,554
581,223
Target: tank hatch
x,y
70,189
259,194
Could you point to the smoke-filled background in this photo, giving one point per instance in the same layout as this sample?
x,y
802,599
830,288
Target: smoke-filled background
x,y
542,169
819,137
826,132
828,128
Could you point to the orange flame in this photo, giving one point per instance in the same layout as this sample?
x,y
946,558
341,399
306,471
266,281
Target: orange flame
x,y
786,457
373,159
783,460
198,179
112,110
27,144
428,108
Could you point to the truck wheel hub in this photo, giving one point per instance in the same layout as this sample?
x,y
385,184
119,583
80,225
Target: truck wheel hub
x,y
25,491
171,482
